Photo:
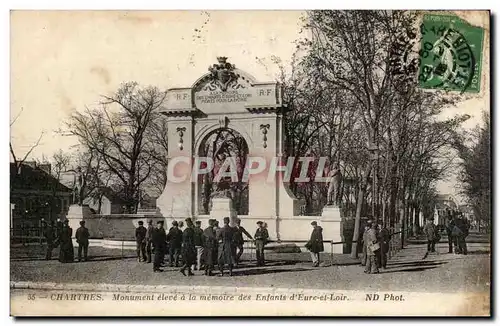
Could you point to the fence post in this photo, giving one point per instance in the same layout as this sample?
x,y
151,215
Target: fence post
x,y
122,248
331,253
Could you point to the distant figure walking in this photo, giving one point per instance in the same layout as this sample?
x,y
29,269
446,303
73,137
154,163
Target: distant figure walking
x,y
66,252
209,247
384,237
315,243
82,238
148,240
261,238
238,240
372,246
159,238
365,254
450,224
174,239
460,232
225,238
140,241
49,233
431,232
188,248
198,242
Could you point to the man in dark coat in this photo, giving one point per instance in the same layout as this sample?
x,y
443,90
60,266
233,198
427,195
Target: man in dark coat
x,y
149,236
238,239
50,236
362,237
261,238
430,231
315,243
82,238
140,241
174,239
449,230
460,232
209,247
372,246
198,243
188,248
66,252
384,237
159,238
225,238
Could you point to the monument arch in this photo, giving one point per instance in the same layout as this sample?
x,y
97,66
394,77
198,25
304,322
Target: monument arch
x,y
229,99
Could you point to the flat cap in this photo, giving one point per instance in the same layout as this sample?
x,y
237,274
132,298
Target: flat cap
x,y
314,223
260,222
140,222
174,223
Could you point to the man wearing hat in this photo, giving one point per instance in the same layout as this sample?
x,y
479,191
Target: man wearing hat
x,y
198,242
261,237
174,239
431,232
238,239
225,237
140,241
209,247
159,239
315,243
188,248
372,247
148,239
82,236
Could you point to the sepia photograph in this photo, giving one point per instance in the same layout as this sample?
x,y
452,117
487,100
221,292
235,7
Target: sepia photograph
x,y
305,163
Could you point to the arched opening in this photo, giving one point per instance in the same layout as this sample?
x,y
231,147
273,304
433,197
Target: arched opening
x,y
219,145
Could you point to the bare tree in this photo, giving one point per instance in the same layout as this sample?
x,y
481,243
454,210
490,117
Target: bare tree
x,y
18,160
116,132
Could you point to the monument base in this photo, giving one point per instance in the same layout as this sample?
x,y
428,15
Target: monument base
x,y
223,207
331,221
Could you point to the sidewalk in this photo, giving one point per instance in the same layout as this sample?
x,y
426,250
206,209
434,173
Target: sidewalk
x,y
406,271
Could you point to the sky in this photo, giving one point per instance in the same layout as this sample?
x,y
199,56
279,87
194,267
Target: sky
x,y
62,61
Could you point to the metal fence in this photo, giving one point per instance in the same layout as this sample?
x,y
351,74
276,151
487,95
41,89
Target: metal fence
x,y
27,235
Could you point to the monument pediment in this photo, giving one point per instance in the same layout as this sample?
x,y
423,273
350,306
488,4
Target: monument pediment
x,y
224,90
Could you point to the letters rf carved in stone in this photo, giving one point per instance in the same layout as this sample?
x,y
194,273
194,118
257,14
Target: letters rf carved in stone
x,y
222,75
264,128
181,131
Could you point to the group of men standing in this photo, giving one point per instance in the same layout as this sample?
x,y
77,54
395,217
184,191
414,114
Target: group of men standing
x,y
197,248
59,234
376,240
457,230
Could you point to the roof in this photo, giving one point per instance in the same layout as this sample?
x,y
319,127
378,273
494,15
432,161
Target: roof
x,y
34,178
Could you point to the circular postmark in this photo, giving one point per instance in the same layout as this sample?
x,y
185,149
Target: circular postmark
x,y
448,63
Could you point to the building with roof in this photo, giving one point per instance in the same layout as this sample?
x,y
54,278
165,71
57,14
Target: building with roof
x,y
445,204
35,194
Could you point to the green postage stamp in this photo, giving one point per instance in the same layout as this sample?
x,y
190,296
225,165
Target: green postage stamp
x,y
450,54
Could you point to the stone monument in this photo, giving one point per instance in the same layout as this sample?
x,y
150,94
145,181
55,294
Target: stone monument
x,y
77,211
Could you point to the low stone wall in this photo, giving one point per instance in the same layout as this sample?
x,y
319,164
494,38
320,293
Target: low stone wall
x,y
116,226
292,230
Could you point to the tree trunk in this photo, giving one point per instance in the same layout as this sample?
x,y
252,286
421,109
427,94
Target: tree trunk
x,y
357,222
